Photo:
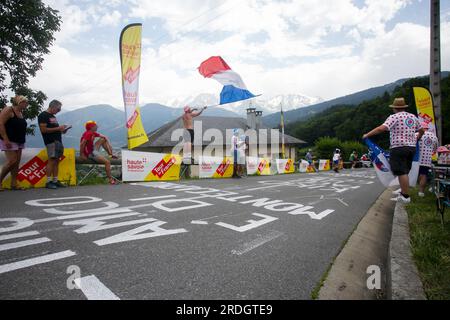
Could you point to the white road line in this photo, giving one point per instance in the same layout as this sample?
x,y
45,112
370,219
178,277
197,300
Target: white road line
x,y
18,235
249,246
13,245
152,198
35,261
94,289
199,222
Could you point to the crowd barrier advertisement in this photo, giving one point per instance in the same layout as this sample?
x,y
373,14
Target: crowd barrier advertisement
x,y
32,172
215,167
285,166
148,166
324,165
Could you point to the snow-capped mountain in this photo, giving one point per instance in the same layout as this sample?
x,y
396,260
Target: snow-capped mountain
x,y
267,105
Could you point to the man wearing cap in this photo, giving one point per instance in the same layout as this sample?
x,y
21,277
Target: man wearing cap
x,y
402,126
189,113
51,133
428,145
89,150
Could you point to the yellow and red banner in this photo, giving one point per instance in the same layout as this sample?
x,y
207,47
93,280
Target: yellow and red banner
x,y
32,172
130,59
306,167
148,166
425,109
259,166
324,165
215,167
285,166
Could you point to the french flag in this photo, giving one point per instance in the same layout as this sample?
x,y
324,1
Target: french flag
x,y
234,88
380,161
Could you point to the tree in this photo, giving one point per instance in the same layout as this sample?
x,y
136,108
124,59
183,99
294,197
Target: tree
x,y
26,29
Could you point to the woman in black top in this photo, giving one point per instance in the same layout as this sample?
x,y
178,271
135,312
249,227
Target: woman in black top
x,y
13,129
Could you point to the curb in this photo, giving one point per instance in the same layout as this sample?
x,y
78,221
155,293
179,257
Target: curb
x,y
403,281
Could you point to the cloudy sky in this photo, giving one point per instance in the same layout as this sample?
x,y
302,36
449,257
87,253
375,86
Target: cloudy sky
x,y
324,49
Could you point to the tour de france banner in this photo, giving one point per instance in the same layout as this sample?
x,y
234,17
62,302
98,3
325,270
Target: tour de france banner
x,y
148,166
130,59
215,167
306,167
32,173
259,166
424,105
324,165
285,166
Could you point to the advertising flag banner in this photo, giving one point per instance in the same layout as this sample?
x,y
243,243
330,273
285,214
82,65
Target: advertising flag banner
x,y
324,165
130,59
215,167
425,109
424,105
32,173
148,166
285,166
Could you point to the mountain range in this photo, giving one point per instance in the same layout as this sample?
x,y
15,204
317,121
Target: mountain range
x,y
111,120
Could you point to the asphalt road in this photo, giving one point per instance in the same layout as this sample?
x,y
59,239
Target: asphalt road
x,y
267,237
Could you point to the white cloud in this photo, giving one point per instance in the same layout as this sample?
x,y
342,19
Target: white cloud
x,y
110,19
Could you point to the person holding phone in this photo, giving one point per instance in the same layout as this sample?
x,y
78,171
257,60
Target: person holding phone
x,y
52,132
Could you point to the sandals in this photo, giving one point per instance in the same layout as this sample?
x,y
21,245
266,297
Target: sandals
x,y
112,182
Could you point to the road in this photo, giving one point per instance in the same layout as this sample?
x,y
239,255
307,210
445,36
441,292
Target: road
x,y
270,237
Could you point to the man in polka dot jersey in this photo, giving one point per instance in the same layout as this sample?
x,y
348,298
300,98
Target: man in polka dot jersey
x,y
428,145
402,126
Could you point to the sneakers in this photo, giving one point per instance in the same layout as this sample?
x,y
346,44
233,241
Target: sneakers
x,y
421,194
396,192
402,199
59,184
51,185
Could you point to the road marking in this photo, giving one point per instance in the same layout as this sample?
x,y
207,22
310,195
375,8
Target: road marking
x,y
13,245
249,246
152,198
19,235
199,222
35,261
94,289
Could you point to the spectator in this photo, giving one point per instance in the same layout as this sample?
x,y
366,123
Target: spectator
x,y
402,126
336,159
428,145
13,128
89,149
309,158
52,135
189,113
353,159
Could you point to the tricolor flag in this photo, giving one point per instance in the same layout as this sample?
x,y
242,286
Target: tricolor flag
x,y
380,161
234,88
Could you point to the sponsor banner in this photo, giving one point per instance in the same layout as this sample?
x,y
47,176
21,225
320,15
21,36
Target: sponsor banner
x,y
130,58
148,166
252,165
32,172
425,110
215,167
324,165
306,167
263,167
285,166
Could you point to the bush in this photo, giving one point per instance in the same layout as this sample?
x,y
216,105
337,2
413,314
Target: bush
x,y
349,146
325,147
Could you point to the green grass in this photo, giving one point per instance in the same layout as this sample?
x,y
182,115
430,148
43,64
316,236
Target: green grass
x,y
430,243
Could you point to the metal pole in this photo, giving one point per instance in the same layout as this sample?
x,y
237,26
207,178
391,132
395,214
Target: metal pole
x,y
435,64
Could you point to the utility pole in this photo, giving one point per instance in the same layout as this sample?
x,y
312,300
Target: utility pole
x,y
435,64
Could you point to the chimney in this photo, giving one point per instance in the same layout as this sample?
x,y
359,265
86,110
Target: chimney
x,y
258,119
251,118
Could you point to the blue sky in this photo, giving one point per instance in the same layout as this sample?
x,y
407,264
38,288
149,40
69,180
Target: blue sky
x,y
323,48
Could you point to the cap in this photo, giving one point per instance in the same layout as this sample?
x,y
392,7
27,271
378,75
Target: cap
x,y
89,124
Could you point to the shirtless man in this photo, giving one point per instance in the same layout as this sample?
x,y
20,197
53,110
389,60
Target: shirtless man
x,y
189,113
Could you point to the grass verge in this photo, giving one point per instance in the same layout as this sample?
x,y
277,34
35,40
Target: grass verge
x,y
430,242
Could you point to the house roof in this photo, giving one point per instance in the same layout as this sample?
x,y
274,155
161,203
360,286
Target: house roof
x,y
162,137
